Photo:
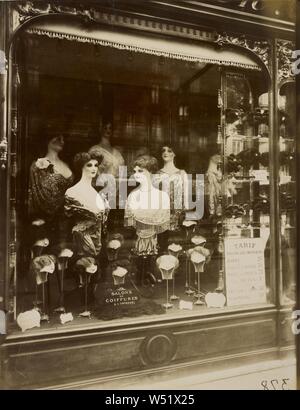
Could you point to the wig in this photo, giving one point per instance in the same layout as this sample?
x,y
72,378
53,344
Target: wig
x,y
81,159
147,162
41,141
168,146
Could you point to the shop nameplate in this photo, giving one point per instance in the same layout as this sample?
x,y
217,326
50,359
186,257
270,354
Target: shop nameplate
x,y
245,271
121,297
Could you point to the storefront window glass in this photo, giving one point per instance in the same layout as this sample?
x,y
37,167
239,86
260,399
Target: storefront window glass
x,y
183,229
287,193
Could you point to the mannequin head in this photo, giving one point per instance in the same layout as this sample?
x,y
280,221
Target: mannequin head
x,y
214,161
86,164
56,144
168,154
143,167
49,141
107,131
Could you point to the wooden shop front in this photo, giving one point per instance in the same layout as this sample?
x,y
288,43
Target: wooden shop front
x,y
206,84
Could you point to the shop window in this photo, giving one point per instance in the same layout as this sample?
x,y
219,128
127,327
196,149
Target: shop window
x,y
287,193
246,193
73,256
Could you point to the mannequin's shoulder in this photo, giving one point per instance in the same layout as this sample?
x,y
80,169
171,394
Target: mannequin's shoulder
x,y
72,192
133,194
117,154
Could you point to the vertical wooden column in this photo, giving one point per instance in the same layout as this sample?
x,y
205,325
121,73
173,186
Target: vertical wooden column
x,y
275,254
297,307
3,156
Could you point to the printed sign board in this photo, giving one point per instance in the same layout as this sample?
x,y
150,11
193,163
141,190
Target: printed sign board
x,y
245,271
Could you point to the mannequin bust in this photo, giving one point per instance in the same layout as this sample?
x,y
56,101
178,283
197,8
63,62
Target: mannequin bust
x,y
147,208
88,209
49,179
84,191
55,146
214,183
168,156
173,181
111,157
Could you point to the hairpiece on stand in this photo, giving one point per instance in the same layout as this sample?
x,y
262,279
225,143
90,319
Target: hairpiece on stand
x,y
63,258
198,240
287,157
204,251
264,159
85,267
262,204
235,211
198,260
113,246
249,157
42,266
167,264
234,163
119,276
287,201
175,251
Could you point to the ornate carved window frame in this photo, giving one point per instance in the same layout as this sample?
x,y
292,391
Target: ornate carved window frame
x,y
24,13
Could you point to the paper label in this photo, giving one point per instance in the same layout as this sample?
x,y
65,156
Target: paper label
x,y
245,271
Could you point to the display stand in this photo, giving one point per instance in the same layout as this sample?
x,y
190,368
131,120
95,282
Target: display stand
x,y
198,261
189,228
87,268
63,259
174,250
167,265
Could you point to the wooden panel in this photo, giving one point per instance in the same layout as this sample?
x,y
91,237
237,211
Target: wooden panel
x,y
286,335
69,362
54,360
227,338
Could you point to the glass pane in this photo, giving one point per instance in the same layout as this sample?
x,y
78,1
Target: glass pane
x,y
246,192
194,144
287,177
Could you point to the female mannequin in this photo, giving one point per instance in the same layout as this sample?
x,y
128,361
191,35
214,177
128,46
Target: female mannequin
x,y
173,181
214,179
147,208
88,209
217,185
111,157
49,179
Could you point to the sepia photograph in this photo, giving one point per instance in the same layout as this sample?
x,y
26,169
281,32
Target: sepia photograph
x,y
148,197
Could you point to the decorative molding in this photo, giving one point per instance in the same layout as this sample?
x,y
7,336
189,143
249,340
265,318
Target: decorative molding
x,y
31,9
158,349
284,54
27,10
138,49
261,48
